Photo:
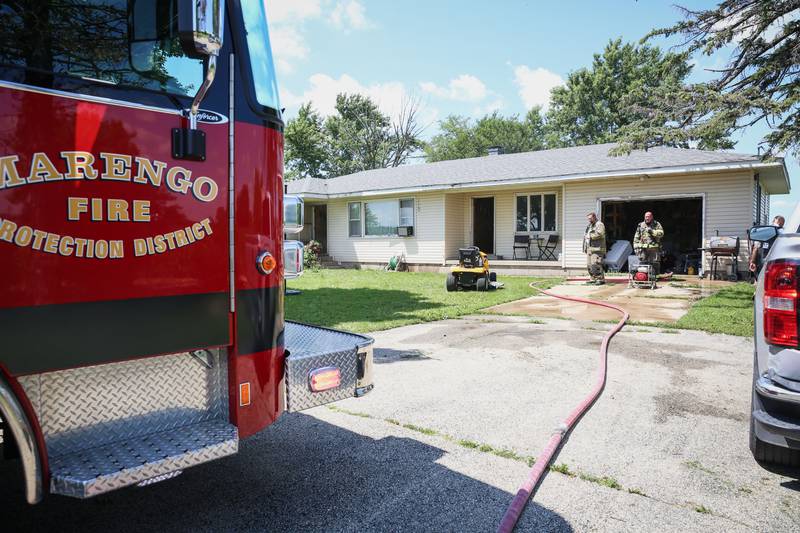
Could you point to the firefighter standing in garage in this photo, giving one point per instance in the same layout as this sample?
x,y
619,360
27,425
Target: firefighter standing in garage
x,y
594,246
647,241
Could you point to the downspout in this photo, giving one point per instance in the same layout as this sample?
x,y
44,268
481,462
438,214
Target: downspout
x,y
563,226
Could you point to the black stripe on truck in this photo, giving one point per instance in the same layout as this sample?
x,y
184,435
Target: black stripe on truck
x,y
259,319
52,337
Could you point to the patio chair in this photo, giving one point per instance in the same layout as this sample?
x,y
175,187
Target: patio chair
x,y
547,252
522,242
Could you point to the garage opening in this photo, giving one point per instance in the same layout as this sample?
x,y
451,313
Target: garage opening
x,y
682,219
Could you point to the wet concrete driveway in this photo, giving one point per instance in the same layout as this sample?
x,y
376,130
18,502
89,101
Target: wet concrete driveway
x,y
667,303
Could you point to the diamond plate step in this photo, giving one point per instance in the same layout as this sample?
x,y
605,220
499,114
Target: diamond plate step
x,y
87,473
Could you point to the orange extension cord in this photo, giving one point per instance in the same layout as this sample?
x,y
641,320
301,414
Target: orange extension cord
x,y
543,460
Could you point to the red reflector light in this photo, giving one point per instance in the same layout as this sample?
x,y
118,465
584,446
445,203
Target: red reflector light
x,y
322,379
780,302
640,276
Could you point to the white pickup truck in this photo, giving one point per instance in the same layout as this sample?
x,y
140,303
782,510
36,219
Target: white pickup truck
x,y
775,416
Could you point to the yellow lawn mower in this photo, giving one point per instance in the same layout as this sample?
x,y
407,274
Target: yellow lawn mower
x,y
472,271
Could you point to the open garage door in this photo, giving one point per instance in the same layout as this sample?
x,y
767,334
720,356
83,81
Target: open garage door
x,y
682,219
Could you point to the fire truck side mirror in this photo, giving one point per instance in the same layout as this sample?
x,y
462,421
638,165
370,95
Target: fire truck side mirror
x,y
293,214
200,26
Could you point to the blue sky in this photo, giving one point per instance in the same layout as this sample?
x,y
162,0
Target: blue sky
x,y
461,57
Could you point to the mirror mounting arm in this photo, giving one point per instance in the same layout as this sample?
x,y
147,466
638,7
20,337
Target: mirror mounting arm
x,y
211,71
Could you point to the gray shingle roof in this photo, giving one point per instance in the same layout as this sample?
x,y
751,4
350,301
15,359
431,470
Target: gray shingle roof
x,y
557,163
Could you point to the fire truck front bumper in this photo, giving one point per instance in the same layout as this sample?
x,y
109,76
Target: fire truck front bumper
x,y
325,365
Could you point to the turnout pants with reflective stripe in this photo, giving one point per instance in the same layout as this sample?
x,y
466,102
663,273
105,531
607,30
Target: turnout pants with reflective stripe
x,y
594,264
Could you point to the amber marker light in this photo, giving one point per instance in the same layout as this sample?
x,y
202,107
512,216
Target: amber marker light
x,y
266,263
244,394
326,378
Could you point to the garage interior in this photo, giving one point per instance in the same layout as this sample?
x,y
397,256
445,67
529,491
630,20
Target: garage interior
x,y
681,218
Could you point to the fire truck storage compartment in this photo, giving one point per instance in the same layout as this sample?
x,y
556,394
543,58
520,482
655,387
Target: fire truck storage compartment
x,y
682,219
114,425
313,347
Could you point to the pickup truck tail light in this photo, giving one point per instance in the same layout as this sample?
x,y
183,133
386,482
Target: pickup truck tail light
x,y
780,302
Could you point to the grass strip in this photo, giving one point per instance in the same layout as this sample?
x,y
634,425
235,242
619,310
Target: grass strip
x,y
505,453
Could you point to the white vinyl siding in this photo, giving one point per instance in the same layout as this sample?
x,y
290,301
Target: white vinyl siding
x,y
426,246
455,208
728,205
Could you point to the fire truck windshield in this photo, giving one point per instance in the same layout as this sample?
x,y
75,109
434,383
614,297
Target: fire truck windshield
x,y
258,44
130,43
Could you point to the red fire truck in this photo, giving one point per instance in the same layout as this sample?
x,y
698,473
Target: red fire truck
x,y
142,244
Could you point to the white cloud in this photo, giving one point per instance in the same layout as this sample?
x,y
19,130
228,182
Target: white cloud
x,y
389,96
287,19
350,15
289,46
292,11
464,88
535,85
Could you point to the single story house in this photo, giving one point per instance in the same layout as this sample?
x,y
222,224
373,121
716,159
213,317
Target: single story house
x,y
501,201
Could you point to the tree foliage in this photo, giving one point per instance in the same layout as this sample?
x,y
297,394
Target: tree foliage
x,y
591,107
461,137
359,136
759,82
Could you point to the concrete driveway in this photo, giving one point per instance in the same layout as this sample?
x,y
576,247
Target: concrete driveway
x,y
443,441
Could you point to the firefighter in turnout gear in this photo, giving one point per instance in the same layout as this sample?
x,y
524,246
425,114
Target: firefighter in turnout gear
x,y
594,246
647,241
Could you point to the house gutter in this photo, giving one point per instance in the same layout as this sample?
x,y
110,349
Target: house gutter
x,y
660,171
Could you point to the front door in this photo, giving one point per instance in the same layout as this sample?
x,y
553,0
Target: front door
x,y
483,224
320,226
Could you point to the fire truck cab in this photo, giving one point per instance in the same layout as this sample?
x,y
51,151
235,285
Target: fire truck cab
x,y
142,244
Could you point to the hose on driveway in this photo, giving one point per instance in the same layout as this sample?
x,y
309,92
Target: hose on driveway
x,y
544,459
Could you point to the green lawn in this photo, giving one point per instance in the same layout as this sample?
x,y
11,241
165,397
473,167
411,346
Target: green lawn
x,y
372,300
728,311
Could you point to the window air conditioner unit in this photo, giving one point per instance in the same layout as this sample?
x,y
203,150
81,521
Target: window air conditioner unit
x,y
405,231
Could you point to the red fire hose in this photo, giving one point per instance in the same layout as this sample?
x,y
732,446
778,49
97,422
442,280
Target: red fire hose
x,y
543,460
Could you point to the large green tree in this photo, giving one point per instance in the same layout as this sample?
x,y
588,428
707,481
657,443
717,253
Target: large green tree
x,y
760,82
359,136
591,107
306,151
461,137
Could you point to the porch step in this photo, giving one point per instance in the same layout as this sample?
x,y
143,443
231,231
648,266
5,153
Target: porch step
x,y
87,473
327,261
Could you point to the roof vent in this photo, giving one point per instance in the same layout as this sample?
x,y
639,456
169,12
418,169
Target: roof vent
x,y
496,150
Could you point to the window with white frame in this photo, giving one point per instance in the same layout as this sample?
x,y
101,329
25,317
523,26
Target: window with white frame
x,y
354,217
536,212
381,218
